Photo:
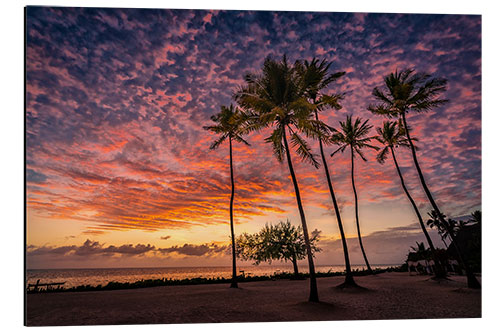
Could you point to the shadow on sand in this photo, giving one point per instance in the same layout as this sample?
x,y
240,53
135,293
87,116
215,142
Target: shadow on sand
x,y
443,281
352,288
316,307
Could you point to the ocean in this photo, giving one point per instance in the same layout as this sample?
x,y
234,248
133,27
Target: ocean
x,y
101,276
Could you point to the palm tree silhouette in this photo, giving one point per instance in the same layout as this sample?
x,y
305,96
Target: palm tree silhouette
x,y
409,91
228,124
392,135
450,229
476,217
275,98
355,137
316,78
435,222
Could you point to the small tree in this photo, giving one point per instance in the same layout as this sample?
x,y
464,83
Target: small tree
x,y
282,241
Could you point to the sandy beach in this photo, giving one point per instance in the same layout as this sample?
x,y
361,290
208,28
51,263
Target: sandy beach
x,y
388,296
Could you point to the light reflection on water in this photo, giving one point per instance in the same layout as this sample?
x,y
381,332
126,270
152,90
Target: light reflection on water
x,y
101,276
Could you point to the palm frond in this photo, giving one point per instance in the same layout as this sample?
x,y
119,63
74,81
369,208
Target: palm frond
x,y
238,138
303,149
217,142
360,153
341,149
276,139
332,101
382,155
330,78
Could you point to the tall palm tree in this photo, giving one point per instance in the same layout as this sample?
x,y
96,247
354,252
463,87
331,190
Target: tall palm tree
x,y
392,136
355,137
228,124
316,78
418,92
275,98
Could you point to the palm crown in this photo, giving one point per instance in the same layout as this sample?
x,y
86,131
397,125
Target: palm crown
x,y
406,91
277,98
354,135
315,77
476,216
229,123
391,135
436,221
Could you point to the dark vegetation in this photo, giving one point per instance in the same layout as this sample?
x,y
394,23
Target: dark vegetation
x,y
201,280
462,241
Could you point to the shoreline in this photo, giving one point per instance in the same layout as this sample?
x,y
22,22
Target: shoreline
x,y
149,283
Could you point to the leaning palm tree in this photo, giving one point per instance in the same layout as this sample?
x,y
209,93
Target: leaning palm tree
x,y
228,124
392,136
418,92
315,78
355,137
275,99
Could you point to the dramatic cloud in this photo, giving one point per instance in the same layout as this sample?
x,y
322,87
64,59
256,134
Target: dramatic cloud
x,y
195,250
388,246
91,249
116,101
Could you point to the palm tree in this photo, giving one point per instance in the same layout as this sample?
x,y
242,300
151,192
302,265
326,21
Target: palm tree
x,y
409,91
450,229
228,124
275,98
391,136
316,78
355,137
420,249
435,222
476,217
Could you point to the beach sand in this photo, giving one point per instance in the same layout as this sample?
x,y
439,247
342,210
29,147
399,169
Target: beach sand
x,y
388,296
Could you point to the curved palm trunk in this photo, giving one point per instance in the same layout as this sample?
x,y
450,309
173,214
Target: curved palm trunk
x,y
356,211
234,283
440,272
313,288
472,282
349,279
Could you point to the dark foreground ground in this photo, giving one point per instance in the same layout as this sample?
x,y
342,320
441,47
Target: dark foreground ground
x,y
388,296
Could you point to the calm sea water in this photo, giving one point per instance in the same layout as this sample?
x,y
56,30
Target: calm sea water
x,y
101,276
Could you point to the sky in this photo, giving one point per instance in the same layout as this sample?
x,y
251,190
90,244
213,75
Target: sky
x,y
119,171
